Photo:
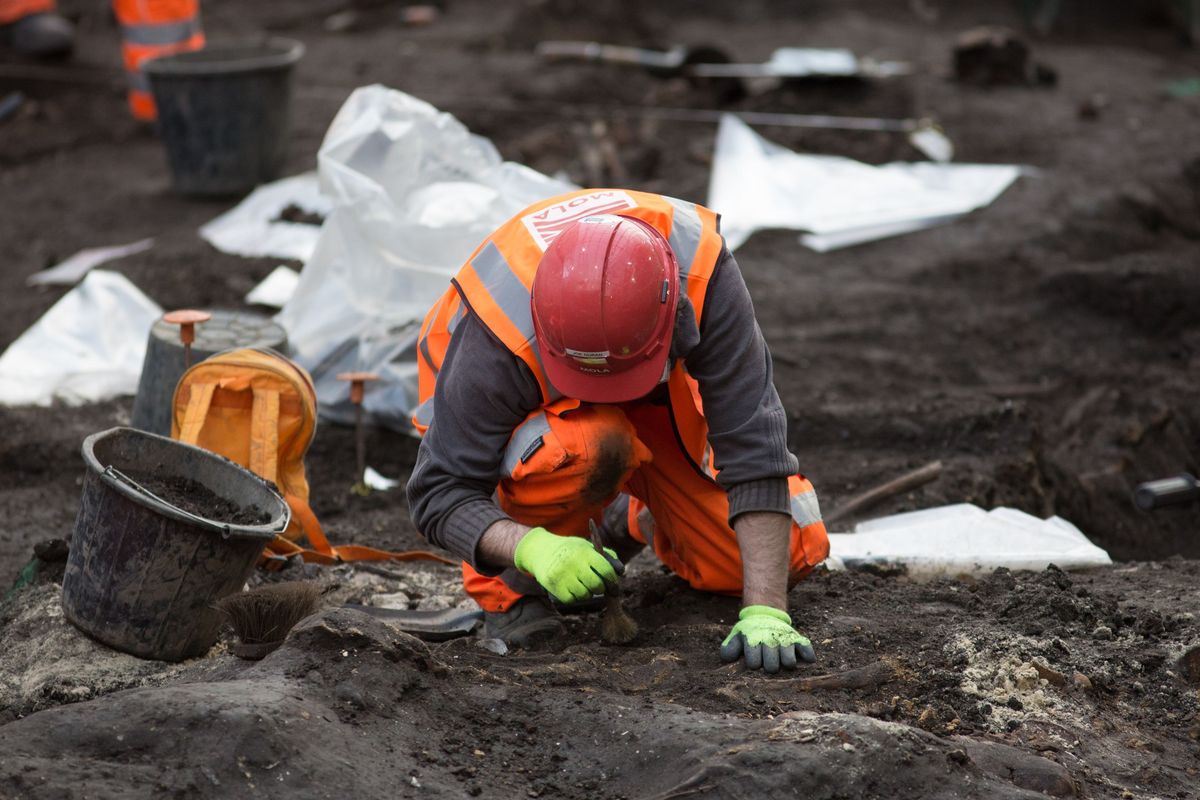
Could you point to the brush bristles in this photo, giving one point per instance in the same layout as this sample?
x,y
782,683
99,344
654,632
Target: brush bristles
x,y
616,626
267,613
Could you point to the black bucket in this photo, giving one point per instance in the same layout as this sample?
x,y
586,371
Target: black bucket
x,y
143,573
223,113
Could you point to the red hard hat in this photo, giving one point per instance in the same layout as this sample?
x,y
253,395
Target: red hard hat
x,y
604,300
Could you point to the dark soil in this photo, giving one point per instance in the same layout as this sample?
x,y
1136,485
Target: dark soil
x,y
293,213
196,498
1044,349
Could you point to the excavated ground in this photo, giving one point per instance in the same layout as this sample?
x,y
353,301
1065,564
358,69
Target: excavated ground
x,y
1045,350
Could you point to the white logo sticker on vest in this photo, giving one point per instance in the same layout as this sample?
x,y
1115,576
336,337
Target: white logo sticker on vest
x,y
545,225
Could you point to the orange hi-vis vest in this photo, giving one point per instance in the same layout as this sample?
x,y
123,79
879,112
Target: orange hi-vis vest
x,y
495,285
152,29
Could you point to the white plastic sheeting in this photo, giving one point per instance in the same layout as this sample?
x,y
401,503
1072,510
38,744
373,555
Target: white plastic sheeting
x,y
374,479
68,272
757,184
413,192
276,289
253,227
89,346
964,538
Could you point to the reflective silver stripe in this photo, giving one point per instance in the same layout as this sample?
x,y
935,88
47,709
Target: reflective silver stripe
x,y
160,33
686,230
137,81
457,317
805,508
505,288
423,343
424,413
511,296
523,439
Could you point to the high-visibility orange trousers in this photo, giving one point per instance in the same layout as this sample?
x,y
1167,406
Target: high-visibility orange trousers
x,y
13,10
691,532
152,29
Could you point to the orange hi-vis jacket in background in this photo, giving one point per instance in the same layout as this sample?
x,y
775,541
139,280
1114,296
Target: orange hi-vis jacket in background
x,y
151,29
13,10
549,454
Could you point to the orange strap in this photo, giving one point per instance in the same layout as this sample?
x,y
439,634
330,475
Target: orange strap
x,y
264,434
199,399
303,515
322,552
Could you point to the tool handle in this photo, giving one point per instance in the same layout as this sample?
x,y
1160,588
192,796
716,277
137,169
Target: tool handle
x,y
1175,491
595,537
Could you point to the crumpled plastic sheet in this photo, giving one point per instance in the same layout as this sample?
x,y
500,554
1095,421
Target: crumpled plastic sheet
x,y
276,289
68,272
253,227
756,184
964,538
412,194
89,346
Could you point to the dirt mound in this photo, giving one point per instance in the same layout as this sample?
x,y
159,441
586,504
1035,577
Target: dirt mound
x,y
347,691
1043,681
45,661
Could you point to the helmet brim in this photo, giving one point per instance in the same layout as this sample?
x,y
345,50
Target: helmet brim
x,y
617,387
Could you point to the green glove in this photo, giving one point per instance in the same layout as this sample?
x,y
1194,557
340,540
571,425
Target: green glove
x,y
567,567
766,638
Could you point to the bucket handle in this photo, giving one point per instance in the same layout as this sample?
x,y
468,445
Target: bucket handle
x,y
113,472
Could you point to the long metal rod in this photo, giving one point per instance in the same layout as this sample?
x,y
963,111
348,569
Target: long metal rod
x,y
360,445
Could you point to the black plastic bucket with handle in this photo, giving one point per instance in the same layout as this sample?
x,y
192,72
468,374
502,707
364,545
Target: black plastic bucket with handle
x,y
144,572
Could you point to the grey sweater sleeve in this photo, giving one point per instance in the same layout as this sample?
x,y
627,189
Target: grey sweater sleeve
x,y
483,393
747,424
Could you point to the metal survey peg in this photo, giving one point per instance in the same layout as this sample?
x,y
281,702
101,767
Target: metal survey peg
x,y
358,381
187,319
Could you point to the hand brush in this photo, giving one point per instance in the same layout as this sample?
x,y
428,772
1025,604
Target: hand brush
x,y
263,616
616,626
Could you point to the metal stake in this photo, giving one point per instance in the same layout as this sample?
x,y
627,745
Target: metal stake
x,y
186,319
357,382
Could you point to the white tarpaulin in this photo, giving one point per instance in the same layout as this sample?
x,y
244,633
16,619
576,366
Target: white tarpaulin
x,y
412,193
68,272
89,346
757,184
254,228
276,289
964,538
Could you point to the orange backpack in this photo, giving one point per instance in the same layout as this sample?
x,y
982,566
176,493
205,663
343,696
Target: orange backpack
x,y
259,409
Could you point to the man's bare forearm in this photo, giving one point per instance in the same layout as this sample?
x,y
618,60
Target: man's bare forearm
x,y
498,545
764,539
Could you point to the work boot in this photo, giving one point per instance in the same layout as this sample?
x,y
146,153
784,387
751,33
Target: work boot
x,y
39,35
529,621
